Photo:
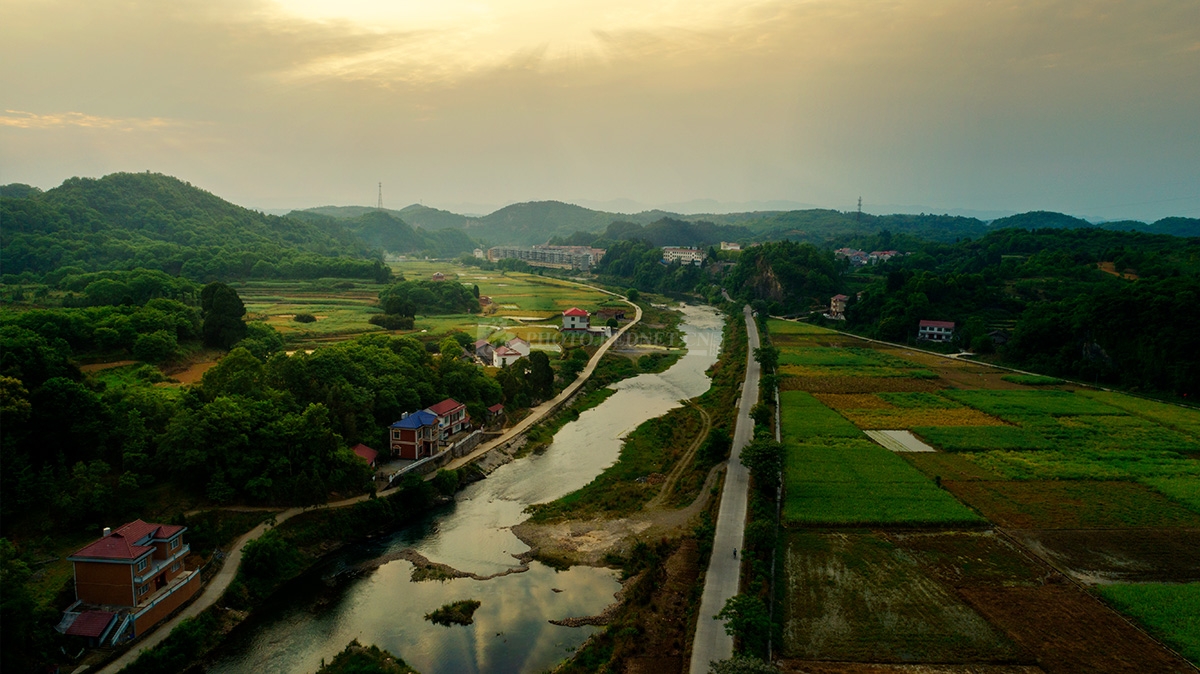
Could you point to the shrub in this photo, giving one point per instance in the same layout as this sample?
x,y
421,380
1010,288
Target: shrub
x,y
392,321
304,318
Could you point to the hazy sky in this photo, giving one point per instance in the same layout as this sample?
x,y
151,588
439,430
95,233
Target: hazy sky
x,y
1089,107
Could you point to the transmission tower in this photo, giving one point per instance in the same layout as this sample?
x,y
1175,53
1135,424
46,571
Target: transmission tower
x,y
857,216
379,203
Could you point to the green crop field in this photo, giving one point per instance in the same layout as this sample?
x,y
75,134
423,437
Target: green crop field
x,y
1014,405
1087,464
843,481
1032,380
1185,490
919,400
778,327
803,416
1185,419
1170,611
982,438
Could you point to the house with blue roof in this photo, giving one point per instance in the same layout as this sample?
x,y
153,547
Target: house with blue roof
x,y
416,435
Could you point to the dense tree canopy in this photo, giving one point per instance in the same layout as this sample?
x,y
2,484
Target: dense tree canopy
x,y
410,298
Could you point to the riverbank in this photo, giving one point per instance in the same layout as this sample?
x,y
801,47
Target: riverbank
x,y
666,540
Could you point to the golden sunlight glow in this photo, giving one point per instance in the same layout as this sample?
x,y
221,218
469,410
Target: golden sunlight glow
x,y
439,41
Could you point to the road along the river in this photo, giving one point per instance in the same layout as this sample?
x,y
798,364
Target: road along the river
x,y
711,643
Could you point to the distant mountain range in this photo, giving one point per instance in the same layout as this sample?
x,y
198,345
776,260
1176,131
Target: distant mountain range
x,y
539,222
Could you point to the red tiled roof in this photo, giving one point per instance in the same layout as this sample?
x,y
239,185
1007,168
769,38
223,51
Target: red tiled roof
x,y
840,297
122,543
496,409
91,624
575,311
445,407
365,452
504,351
937,324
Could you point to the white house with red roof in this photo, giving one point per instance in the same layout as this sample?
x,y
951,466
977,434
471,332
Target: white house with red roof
x,y
575,319
935,331
451,417
136,572
519,345
504,355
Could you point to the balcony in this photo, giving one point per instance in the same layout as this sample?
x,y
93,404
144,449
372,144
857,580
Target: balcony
x,y
157,565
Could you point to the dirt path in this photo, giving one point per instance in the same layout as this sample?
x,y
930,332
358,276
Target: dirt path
x,y
684,461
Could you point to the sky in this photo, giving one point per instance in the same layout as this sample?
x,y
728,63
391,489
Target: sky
x,y
1089,107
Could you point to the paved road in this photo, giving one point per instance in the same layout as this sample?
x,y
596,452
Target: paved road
x,y
724,571
211,592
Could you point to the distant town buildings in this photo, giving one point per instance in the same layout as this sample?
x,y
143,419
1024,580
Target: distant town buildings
x,y
859,258
684,255
729,245
478,253
559,257
935,331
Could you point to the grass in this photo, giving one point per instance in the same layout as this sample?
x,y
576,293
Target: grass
x,y
652,447
1170,611
454,613
803,416
982,438
856,482
1108,433
1011,405
1032,380
1184,419
1085,464
1185,490
778,327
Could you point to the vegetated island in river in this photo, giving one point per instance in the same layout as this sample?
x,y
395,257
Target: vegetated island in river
x,y
361,659
454,613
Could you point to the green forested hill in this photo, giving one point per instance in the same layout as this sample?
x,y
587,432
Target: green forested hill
x,y
384,230
153,221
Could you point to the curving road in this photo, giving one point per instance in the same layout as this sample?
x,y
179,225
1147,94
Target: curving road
x,y
711,643
210,593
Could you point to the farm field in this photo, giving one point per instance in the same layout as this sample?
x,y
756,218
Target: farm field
x,y
525,305
1032,480
1171,612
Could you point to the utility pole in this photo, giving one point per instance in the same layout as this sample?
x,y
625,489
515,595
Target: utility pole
x,y
379,204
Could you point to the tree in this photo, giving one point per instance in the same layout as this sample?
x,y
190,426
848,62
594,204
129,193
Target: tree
x,y
222,309
155,347
767,357
541,375
747,620
764,459
633,294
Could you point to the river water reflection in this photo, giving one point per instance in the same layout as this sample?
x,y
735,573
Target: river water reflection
x,y
511,633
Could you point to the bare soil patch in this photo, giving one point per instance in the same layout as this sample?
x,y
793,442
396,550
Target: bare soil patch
x,y
1075,504
971,558
802,667
96,367
1119,555
1070,632
866,597
950,466
192,373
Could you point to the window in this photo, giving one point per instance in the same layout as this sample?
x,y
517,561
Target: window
x,y
143,590
141,566
174,543
395,435
175,567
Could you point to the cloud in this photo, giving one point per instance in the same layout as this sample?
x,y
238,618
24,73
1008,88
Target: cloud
x,y
29,120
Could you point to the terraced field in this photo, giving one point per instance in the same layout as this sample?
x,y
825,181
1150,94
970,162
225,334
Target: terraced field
x,y
998,551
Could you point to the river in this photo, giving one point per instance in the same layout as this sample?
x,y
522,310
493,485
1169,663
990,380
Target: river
x,y
318,615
